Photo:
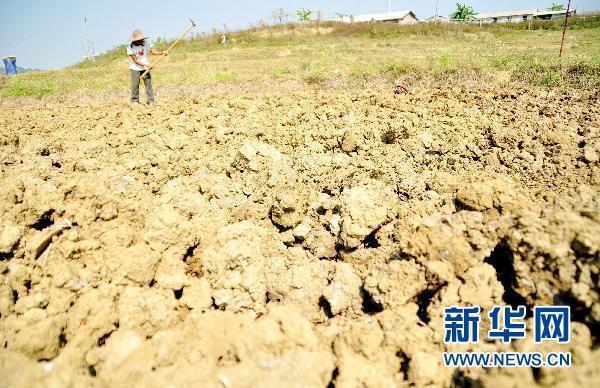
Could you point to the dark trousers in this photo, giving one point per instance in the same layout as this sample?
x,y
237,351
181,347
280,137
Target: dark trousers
x,y
135,86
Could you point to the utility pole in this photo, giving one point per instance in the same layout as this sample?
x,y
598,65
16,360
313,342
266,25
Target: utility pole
x,y
436,7
564,29
89,45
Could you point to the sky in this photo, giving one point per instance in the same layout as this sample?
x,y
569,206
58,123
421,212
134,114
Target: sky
x,y
52,34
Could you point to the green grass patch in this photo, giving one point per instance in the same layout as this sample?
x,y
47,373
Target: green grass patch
x,y
19,86
361,70
550,77
281,73
397,68
446,61
225,76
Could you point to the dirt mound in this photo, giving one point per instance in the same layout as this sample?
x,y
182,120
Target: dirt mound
x,y
310,238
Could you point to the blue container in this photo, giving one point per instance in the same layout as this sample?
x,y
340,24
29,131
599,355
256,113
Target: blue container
x,y
10,64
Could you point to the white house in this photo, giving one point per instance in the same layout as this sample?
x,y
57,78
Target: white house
x,y
505,16
547,15
519,16
400,17
438,19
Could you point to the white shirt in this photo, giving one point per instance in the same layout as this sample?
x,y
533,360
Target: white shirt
x,y
141,52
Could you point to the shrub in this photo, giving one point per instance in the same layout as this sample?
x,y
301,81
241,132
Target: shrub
x,y
314,79
550,78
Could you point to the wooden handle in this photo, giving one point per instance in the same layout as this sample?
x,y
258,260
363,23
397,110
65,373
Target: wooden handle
x,y
169,49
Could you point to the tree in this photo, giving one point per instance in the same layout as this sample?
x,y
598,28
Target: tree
x,y
556,7
463,12
304,14
279,15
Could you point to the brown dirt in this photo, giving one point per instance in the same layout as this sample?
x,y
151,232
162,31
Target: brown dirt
x,y
301,238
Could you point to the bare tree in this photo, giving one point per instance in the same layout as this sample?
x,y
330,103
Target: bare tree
x,y
279,16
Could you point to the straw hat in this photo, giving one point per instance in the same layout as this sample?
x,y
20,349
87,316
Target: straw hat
x,y
137,34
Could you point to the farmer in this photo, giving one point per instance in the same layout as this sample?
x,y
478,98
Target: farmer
x,y
138,51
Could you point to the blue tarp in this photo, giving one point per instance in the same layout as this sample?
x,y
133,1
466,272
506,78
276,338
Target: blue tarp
x,y
10,64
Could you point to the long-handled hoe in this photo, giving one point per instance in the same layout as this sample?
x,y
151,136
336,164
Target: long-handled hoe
x,y
172,45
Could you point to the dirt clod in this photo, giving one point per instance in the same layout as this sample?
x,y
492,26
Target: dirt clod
x,y
236,240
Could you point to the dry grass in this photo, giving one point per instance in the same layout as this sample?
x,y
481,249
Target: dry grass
x,y
317,54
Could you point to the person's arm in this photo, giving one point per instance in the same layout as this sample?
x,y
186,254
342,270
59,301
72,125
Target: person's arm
x,y
136,60
156,52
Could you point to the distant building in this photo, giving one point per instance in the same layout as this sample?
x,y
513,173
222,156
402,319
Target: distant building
x,y
401,17
438,19
519,16
90,57
551,15
505,16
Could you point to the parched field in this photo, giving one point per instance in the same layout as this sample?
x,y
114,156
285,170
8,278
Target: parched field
x,y
299,229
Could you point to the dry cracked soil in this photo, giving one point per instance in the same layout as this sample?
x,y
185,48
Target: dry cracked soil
x,y
310,237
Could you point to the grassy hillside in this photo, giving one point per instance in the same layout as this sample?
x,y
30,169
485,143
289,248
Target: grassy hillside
x,y
315,54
